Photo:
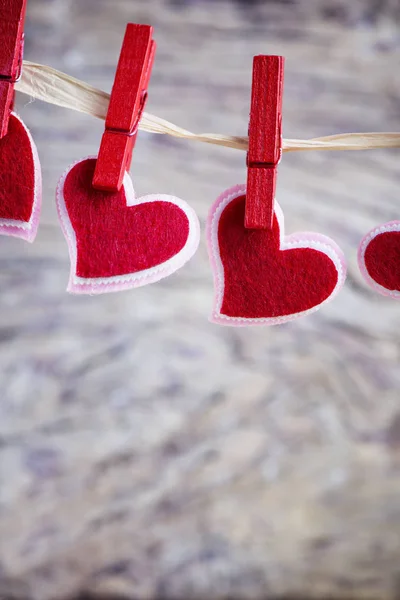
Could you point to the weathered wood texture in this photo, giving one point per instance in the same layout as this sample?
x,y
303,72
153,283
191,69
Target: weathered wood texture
x,y
148,452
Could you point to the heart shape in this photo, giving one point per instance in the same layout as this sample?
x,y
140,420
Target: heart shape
x,y
262,277
20,182
379,259
117,241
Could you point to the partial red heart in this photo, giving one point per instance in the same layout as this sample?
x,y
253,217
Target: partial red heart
x,y
262,277
379,259
20,182
117,241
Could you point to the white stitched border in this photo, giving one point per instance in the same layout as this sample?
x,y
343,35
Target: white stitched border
x,y
29,226
292,242
367,239
142,277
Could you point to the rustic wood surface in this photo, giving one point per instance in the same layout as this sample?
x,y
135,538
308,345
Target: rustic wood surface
x,y
146,452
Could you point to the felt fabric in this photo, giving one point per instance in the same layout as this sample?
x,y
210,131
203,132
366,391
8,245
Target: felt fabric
x,y
117,241
20,182
260,276
379,259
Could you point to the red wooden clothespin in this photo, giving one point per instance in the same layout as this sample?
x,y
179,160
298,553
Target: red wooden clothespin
x,y
12,19
126,106
265,140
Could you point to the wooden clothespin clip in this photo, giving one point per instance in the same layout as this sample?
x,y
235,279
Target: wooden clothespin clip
x,y
12,19
265,140
127,102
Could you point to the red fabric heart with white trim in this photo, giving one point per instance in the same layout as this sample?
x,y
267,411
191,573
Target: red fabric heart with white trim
x,y
262,277
117,241
379,259
20,182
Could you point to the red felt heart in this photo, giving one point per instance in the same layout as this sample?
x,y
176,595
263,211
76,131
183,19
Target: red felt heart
x,y
379,259
20,182
117,241
260,276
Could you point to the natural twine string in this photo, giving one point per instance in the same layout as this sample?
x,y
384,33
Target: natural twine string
x,y
54,87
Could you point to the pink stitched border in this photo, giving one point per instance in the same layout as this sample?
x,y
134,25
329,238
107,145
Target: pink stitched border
x,y
366,240
81,285
297,240
27,230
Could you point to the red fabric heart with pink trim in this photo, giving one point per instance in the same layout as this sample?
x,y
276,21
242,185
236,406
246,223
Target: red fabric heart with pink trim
x,y
262,277
379,259
20,182
117,241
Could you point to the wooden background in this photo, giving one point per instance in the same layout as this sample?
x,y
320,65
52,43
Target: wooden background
x,y
146,452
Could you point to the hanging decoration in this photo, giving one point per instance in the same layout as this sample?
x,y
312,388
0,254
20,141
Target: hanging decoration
x,y
262,277
21,186
117,241
379,259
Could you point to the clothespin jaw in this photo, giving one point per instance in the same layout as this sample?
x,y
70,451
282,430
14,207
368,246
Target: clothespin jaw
x,y
265,140
12,19
127,101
